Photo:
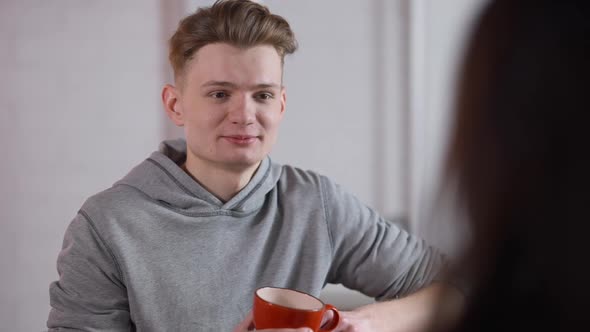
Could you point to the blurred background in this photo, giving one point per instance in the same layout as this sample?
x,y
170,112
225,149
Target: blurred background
x,y
369,101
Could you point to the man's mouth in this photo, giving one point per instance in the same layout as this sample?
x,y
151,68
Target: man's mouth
x,y
241,139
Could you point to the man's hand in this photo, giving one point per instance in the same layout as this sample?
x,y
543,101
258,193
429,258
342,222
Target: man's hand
x,y
376,317
414,313
248,325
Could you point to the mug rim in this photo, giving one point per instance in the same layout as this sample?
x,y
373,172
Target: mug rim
x,y
293,290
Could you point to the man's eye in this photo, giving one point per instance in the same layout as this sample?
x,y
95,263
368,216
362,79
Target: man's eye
x,y
265,96
219,95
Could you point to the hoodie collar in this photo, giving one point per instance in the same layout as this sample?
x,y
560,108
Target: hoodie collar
x,y
161,178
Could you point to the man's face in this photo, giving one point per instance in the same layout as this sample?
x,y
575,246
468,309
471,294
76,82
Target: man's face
x,y
232,103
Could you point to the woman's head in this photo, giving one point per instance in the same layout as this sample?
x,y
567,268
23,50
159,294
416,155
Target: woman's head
x,y
519,151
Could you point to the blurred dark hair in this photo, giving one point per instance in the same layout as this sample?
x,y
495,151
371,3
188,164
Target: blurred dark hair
x,y
520,155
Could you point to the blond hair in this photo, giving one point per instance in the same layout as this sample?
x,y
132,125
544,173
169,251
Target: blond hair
x,y
240,23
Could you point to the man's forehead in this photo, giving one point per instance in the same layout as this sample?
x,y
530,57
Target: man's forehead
x,y
226,65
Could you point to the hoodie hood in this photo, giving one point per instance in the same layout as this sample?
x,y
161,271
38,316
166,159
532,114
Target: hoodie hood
x,y
161,179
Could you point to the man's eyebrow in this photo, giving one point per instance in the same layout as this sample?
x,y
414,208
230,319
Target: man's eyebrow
x,y
233,85
267,85
218,83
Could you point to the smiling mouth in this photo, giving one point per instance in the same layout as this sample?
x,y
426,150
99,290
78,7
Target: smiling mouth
x,y
241,139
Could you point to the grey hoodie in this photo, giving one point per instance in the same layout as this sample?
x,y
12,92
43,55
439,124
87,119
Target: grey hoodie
x,y
158,252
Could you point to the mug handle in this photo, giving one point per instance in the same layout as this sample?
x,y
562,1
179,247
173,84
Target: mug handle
x,y
335,319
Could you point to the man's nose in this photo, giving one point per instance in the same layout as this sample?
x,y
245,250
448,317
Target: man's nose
x,y
243,111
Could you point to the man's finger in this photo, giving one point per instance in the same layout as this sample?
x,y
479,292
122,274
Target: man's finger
x,y
327,317
246,325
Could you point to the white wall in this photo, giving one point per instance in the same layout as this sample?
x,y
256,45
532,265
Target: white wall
x,y
79,105
439,32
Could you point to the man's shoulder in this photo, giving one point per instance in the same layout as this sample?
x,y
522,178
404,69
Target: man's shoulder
x,y
110,201
298,176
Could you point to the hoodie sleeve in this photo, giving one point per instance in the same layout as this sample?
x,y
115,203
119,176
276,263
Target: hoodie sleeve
x,y
90,294
372,255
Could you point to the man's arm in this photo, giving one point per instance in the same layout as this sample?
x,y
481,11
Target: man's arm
x,y
384,261
90,293
372,255
438,305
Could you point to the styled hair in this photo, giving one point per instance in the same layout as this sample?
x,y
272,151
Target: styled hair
x,y
240,23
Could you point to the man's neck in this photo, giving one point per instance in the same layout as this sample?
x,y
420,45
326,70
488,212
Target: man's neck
x,y
224,183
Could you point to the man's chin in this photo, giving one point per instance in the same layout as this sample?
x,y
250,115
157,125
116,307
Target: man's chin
x,y
243,164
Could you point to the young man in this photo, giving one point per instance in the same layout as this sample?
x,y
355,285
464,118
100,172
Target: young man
x,y
182,242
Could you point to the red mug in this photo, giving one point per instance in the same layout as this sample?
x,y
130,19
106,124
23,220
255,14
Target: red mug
x,y
287,308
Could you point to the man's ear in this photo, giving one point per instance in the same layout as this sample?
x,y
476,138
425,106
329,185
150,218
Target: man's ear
x,y
283,100
172,105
